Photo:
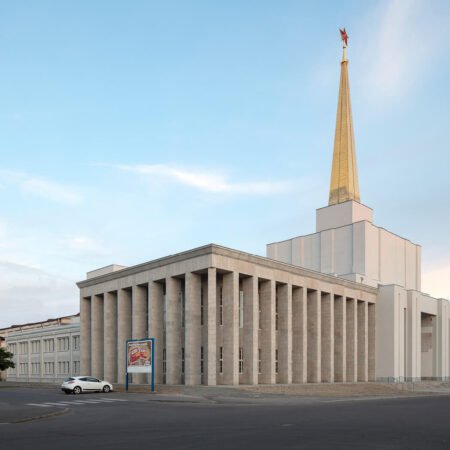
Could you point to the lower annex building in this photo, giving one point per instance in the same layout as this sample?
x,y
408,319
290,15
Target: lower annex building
x,y
46,351
340,305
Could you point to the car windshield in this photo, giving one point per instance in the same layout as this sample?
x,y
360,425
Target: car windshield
x,y
69,379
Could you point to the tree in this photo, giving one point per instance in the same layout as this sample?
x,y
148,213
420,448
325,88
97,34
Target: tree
x,y
6,359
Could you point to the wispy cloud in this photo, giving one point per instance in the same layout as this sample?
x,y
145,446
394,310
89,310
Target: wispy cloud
x,y
82,246
402,37
41,187
37,294
208,180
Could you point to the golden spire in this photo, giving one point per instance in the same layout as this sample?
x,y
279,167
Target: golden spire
x,y
344,173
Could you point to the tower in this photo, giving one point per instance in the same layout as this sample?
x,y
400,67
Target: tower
x,y
344,173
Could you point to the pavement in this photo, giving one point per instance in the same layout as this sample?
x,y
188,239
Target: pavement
x,y
221,417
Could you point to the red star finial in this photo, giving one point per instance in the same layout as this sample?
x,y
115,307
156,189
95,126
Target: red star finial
x,y
344,36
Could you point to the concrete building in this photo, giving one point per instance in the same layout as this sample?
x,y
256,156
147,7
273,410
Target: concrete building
x,y
44,351
340,305
221,316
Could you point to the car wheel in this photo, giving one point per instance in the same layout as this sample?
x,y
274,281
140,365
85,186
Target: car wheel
x,y
106,389
77,390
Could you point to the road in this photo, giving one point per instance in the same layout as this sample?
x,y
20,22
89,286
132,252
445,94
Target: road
x,y
121,420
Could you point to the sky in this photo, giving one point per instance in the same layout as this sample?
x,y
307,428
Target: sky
x,y
134,130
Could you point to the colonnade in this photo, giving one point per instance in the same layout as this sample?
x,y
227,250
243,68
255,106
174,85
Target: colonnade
x,y
218,327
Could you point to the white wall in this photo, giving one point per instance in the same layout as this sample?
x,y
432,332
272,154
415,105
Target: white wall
x,y
399,335
354,251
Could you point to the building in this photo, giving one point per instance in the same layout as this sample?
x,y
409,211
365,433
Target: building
x,y
340,305
44,351
221,316
413,329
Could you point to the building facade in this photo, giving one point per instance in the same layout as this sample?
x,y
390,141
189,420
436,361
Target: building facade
x,y
221,316
340,305
44,351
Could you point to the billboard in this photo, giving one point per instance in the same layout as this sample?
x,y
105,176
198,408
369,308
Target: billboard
x,y
139,356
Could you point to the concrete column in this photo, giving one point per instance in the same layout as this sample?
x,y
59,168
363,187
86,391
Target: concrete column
x,y
211,324
173,330
85,336
123,330
314,336
300,336
156,325
231,328
327,331
363,360
251,312
193,330
139,322
340,365
372,339
97,336
351,340
441,341
285,334
267,345
110,336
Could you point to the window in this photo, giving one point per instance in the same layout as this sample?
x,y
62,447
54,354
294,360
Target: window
x,y
76,342
49,345
12,348
164,361
241,360
63,344
259,361
221,306
49,368
241,309
276,312
276,360
259,311
181,297
201,306
201,359
76,368
35,346
23,368
63,367
182,359
221,360
36,368
23,348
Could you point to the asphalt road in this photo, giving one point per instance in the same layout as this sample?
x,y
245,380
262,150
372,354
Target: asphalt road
x,y
121,420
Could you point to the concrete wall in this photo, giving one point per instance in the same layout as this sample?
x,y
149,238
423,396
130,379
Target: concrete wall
x,y
358,251
412,335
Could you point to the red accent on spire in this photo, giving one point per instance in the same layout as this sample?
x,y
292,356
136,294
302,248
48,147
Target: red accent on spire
x,y
344,35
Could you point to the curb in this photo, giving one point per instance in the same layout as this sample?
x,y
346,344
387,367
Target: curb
x,y
44,416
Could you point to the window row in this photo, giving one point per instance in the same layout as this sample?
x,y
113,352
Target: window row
x,y
48,345
220,360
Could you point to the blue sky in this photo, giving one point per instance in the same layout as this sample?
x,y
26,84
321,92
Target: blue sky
x,y
134,130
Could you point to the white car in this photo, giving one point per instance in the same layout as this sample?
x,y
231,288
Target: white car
x,y
77,385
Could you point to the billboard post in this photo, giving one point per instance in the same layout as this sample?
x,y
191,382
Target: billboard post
x,y
140,358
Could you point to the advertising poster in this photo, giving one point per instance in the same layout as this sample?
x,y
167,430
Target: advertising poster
x,y
139,357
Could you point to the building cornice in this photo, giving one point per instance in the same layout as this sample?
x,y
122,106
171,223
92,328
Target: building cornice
x,y
214,249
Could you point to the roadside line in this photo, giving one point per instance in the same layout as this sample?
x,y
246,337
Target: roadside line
x,y
36,404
